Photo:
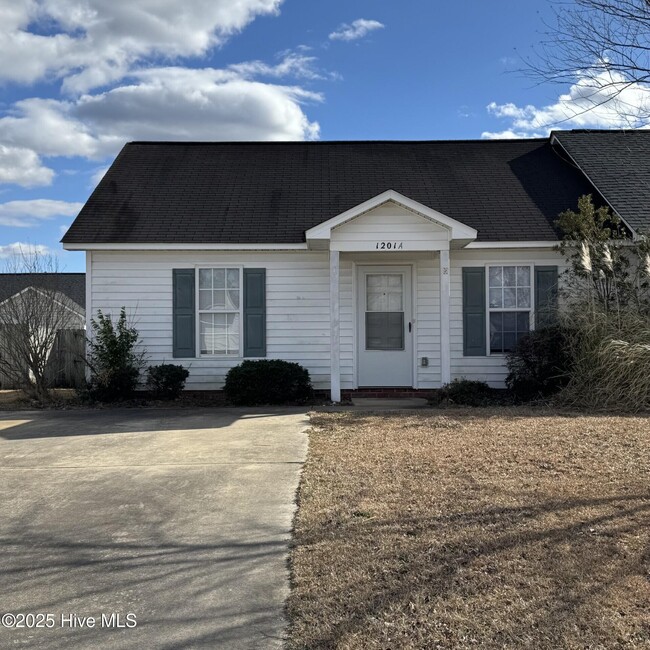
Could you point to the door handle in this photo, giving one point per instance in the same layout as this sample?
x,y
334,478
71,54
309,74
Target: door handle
x,y
409,327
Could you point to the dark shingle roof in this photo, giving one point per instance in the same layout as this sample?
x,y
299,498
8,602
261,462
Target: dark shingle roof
x,y
73,285
273,192
618,164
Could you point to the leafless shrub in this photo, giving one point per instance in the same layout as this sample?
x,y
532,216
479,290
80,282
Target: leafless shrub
x,y
30,321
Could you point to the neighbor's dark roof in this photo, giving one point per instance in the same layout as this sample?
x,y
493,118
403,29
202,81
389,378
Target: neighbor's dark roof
x,y
161,192
618,164
73,285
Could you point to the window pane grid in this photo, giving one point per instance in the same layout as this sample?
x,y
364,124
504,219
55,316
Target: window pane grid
x,y
509,288
219,311
509,303
218,290
219,333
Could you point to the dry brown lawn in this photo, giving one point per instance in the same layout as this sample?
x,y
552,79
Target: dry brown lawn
x,y
475,529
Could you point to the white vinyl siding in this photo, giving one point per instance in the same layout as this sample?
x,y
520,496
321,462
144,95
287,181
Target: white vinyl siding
x,y
297,305
392,226
491,368
298,322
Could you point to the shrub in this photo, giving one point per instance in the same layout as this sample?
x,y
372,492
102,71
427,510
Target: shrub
x,y
167,380
540,363
268,382
467,393
114,364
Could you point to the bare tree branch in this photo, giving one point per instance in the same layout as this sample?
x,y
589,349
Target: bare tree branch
x,y
30,321
606,43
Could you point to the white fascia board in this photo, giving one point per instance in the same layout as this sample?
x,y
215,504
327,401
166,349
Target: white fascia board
x,y
457,229
511,244
184,247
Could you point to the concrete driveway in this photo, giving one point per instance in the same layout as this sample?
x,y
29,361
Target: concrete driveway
x,y
181,518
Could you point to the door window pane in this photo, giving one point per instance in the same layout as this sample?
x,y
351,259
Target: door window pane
x,y
384,292
384,330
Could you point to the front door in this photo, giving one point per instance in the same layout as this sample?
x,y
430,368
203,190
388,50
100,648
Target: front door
x,y
385,342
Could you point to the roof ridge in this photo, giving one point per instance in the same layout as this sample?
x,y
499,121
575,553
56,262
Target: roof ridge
x,y
42,273
325,142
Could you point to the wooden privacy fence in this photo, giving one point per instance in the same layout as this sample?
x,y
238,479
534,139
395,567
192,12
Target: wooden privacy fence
x,y
66,365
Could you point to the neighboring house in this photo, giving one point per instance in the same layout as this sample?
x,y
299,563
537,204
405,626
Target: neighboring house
x,y
372,264
70,285
65,360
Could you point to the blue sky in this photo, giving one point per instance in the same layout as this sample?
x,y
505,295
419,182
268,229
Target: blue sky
x,y
81,77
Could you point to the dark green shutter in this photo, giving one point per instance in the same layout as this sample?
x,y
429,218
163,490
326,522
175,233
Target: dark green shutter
x,y
474,311
546,292
254,312
184,323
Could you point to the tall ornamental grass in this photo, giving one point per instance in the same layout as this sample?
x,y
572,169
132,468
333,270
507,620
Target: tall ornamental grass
x,y
610,368
605,295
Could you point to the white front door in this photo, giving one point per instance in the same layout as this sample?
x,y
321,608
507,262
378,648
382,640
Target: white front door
x,y
385,338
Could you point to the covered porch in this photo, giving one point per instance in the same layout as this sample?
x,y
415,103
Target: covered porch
x,y
389,290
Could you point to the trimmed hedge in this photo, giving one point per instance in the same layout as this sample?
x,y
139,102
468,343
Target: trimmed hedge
x,y
268,381
167,380
466,392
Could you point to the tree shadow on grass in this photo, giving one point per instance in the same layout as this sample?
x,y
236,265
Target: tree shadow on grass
x,y
544,575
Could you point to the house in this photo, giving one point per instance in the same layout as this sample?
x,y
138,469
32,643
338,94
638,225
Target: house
x,y
54,305
373,264
70,285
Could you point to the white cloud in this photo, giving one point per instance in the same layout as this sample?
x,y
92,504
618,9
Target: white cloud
x,y
93,43
21,166
508,134
171,103
29,119
26,214
195,104
602,101
292,65
21,249
96,42
358,29
97,176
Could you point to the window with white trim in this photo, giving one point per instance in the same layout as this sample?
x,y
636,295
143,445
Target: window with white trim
x,y
509,305
219,311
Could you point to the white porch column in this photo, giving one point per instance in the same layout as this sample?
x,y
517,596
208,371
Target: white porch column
x,y
445,349
335,328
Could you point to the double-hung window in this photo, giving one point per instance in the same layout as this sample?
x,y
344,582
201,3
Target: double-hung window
x,y
219,300
509,305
